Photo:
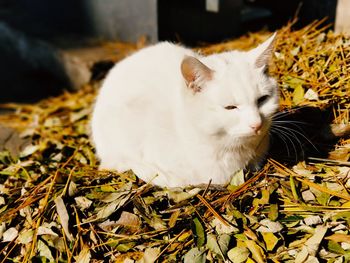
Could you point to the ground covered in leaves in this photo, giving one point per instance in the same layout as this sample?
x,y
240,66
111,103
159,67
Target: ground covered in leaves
x,y
55,206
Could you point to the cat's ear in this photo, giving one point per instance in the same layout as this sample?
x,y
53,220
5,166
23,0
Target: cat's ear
x,y
263,53
195,73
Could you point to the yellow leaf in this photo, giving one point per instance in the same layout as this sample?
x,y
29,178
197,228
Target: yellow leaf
x,y
346,205
184,236
270,240
107,188
249,260
339,238
257,251
298,94
174,216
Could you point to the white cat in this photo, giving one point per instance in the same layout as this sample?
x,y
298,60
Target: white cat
x,y
177,118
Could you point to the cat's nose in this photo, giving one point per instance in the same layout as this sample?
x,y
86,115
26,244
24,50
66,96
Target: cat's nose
x,y
256,127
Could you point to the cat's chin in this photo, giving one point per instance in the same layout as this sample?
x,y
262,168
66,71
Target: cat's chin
x,y
246,140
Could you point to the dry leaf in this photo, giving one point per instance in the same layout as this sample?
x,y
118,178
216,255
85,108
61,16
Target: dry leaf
x,y
150,255
179,195
45,231
84,255
269,226
129,220
64,217
195,255
257,252
26,236
312,220
44,251
10,234
83,202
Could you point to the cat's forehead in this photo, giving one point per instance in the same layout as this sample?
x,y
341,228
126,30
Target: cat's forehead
x,y
235,65
236,77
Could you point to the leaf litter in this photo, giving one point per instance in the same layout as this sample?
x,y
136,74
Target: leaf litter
x,y
56,205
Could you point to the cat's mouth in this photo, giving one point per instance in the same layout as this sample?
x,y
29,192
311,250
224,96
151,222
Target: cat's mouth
x,y
241,137
253,137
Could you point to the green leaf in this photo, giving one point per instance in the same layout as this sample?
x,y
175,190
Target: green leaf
x,y
198,232
342,215
218,245
237,180
195,255
265,197
293,187
107,188
238,254
107,210
323,198
241,237
213,245
273,212
335,248
124,247
224,241
26,237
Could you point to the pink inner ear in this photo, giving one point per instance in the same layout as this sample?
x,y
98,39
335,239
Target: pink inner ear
x,y
187,70
265,50
195,72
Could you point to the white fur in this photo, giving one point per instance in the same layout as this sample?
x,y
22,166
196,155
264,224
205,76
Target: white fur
x,y
147,119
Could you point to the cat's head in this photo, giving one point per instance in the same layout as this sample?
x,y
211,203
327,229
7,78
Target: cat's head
x,y
231,95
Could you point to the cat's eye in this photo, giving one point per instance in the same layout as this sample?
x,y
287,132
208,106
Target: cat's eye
x,y
230,107
262,100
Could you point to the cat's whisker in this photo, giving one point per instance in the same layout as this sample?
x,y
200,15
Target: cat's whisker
x,y
301,134
290,121
292,132
284,113
289,137
282,138
295,124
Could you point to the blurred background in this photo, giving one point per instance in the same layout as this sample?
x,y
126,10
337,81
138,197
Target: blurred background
x,y
49,46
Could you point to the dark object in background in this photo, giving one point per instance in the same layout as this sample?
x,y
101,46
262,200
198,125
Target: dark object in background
x,y
199,20
73,23
100,69
304,132
47,19
281,11
31,69
191,21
